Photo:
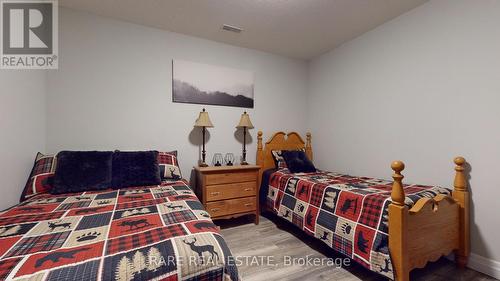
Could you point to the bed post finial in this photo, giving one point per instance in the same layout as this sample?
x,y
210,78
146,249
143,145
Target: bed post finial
x,y
259,140
398,194
460,183
309,151
462,197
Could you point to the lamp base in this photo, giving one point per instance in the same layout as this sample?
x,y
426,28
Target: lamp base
x,y
243,163
203,164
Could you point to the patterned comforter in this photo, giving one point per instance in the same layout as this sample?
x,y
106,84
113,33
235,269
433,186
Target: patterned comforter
x,y
142,233
349,214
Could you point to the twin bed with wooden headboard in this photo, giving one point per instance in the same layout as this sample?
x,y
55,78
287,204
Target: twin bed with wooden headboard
x,y
388,227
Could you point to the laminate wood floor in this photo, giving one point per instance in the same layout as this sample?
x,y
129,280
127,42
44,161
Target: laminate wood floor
x,y
277,238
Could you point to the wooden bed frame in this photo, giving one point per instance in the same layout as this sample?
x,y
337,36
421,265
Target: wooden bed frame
x,y
433,227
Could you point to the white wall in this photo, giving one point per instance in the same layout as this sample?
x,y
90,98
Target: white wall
x,y
22,129
422,88
113,90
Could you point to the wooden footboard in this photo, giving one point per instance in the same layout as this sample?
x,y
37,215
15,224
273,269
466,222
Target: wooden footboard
x,y
433,227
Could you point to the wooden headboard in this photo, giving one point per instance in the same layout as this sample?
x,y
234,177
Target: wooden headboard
x,y
280,141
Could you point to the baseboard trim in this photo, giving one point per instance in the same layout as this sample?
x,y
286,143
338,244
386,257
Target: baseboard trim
x,y
487,266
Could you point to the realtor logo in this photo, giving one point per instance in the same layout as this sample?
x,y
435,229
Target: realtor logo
x,y
29,34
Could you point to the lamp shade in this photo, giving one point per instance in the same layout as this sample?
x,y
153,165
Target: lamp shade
x,y
203,120
245,121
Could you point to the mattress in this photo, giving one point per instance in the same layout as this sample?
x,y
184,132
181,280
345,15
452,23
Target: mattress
x,y
347,213
139,233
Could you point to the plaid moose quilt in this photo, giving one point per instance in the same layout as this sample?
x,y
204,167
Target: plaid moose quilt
x,y
349,214
143,233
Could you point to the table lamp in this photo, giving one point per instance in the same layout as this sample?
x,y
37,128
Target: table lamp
x,y
204,122
245,123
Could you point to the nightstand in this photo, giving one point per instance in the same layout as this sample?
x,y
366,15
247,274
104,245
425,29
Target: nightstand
x,y
229,191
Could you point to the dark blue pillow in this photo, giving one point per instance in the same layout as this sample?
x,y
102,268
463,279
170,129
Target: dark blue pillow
x,y
135,168
297,161
79,171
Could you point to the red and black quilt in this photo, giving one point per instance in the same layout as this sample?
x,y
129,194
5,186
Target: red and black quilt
x,y
141,233
349,214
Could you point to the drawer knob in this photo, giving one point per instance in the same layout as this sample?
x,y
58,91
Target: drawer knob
x,y
215,193
248,189
215,209
248,204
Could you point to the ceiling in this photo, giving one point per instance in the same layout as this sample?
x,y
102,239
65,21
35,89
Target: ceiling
x,y
299,29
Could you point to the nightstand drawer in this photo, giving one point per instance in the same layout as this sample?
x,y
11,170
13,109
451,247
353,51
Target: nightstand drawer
x,y
220,178
233,206
231,190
